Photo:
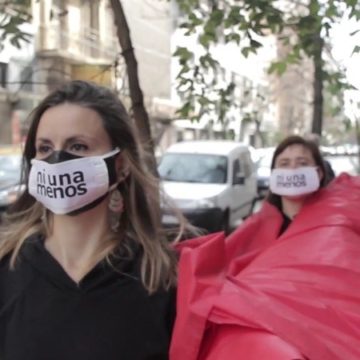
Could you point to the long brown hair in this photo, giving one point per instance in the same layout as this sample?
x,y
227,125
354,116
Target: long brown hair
x,y
140,223
315,152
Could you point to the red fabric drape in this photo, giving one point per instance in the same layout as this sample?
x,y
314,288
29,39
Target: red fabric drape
x,y
292,297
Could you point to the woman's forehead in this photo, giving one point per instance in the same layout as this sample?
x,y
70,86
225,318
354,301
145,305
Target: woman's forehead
x,y
66,120
294,151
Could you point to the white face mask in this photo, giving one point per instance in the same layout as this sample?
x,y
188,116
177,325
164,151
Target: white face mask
x,y
64,183
294,182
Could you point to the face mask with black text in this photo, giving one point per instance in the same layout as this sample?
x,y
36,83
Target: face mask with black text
x,y
294,182
65,183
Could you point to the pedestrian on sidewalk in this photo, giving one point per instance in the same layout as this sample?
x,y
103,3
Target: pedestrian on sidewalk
x,y
284,285
86,271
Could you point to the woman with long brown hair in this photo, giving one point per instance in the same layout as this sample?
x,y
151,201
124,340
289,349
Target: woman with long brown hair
x,y
86,271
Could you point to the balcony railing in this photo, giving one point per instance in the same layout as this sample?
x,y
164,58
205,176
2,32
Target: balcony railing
x,y
77,45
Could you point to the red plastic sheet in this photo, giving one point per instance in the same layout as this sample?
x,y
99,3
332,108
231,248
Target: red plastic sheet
x,y
231,341
294,297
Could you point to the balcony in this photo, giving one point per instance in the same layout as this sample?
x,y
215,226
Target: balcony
x,y
86,45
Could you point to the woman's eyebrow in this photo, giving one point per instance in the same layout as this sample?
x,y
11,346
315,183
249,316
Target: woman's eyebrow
x,y
81,137
43,140
76,138
67,141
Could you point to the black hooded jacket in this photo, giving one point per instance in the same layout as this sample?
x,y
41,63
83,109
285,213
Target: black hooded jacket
x,y
45,315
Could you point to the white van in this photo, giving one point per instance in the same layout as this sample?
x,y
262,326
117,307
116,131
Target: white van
x,y
212,182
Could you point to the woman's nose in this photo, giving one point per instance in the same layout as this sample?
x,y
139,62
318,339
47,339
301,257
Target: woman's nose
x,y
56,156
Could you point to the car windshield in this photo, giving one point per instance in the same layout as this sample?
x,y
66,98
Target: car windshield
x,y
195,168
10,166
265,161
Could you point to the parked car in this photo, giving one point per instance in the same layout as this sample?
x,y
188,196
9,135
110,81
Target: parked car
x,y
10,173
344,163
213,183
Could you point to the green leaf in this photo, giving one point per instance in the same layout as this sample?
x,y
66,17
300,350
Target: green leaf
x,y
183,71
207,61
204,101
332,11
351,3
234,17
185,25
277,67
255,44
205,40
185,110
183,54
195,20
356,50
216,17
183,82
355,13
294,56
233,37
246,51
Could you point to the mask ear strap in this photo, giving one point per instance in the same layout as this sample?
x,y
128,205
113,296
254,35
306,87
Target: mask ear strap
x,y
111,153
124,175
89,206
113,186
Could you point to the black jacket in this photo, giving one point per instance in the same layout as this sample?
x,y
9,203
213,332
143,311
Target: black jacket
x,y
45,315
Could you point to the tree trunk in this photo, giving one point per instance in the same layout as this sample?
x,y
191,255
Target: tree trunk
x,y
317,119
140,114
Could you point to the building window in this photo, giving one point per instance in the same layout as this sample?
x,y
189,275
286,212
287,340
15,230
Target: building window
x,y
3,74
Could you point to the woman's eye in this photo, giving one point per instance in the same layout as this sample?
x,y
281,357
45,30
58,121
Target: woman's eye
x,y
79,147
43,149
304,163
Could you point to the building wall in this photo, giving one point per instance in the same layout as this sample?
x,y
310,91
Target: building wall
x,y
77,30
294,92
151,27
293,89
72,33
67,35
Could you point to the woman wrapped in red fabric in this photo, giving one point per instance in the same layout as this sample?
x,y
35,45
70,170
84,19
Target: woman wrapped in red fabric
x,y
285,284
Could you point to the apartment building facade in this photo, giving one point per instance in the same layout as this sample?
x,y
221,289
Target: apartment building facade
x,y
76,39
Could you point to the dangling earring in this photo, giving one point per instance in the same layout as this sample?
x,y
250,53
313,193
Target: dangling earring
x,y
116,207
